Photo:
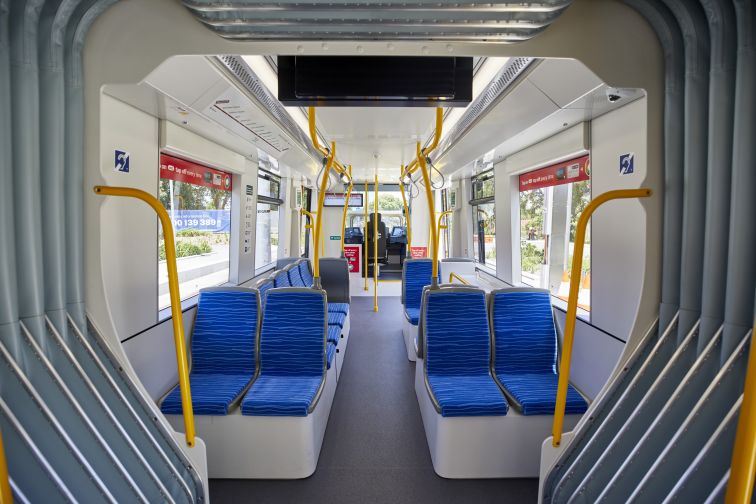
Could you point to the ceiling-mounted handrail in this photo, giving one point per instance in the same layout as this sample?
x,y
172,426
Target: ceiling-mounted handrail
x,y
414,165
335,165
182,365
569,331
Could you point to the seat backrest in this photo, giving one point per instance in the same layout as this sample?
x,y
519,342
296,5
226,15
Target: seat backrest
x,y
423,305
295,277
334,278
456,335
224,338
263,286
294,330
416,274
306,272
522,321
281,279
463,267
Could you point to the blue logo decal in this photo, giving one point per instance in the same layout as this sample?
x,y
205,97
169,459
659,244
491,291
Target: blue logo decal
x,y
627,163
122,161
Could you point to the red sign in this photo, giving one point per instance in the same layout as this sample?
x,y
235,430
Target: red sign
x,y
418,252
352,255
567,172
181,170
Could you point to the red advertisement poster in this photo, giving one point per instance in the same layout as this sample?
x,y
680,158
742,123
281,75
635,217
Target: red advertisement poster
x,y
418,252
181,170
566,172
352,255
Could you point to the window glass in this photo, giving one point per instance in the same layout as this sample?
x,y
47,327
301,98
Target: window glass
x,y
551,200
198,200
269,185
483,186
484,234
266,235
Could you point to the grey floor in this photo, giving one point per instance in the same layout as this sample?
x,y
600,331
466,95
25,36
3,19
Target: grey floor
x,y
374,449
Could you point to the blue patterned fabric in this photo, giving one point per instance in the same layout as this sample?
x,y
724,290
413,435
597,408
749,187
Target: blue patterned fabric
x,y
264,287
281,279
211,394
281,395
413,315
222,349
338,308
330,353
336,318
334,334
457,354
525,344
524,334
536,393
304,271
292,354
295,279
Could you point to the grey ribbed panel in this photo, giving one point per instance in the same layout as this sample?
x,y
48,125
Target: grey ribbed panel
x,y
362,20
721,18
741,266
694,29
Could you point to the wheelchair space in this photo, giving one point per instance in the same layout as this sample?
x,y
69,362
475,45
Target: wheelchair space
x,y
375,449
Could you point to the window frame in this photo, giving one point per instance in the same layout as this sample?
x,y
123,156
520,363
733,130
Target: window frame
x,y
476,202
272,202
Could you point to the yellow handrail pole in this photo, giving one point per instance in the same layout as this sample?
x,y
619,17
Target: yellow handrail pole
x,y
453,275
569,330
445,226
313,132
319,213
173,287
344,216
6,497
375,245
406,213
414,166
365,240
432,213
743,466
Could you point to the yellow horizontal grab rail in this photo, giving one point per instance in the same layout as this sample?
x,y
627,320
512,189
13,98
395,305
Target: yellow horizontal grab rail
x,y
743,465
173,287
453,275
569,331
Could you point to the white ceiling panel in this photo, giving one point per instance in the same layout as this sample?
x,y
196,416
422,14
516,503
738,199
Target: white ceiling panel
x,y
563,80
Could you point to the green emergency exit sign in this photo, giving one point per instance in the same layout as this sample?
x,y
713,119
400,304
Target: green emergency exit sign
x,y
335,237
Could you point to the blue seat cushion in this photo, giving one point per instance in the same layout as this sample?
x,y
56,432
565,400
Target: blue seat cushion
x,y
212,394
468,395
535,394
281,395
413,315
334,334
330,353
336,318
338,308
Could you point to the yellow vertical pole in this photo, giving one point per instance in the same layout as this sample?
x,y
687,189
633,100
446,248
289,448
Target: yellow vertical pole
x,y
432,211
319,214
6,497
743,465
346,208
406,213
173,287
366,235
375,245
569,330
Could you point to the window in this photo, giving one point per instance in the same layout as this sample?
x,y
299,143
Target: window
x,y
198,199
551,200
268,209
484,219
304,231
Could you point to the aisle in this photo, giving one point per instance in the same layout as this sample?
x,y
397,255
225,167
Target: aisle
x,y
374,449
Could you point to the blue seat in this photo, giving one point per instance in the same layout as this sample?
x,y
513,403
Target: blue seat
x,y
336,319
306,273
338,308
292,354
263,287
525,357
281,279
334,334
330,353
223,360
457,349
295,279
416,274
